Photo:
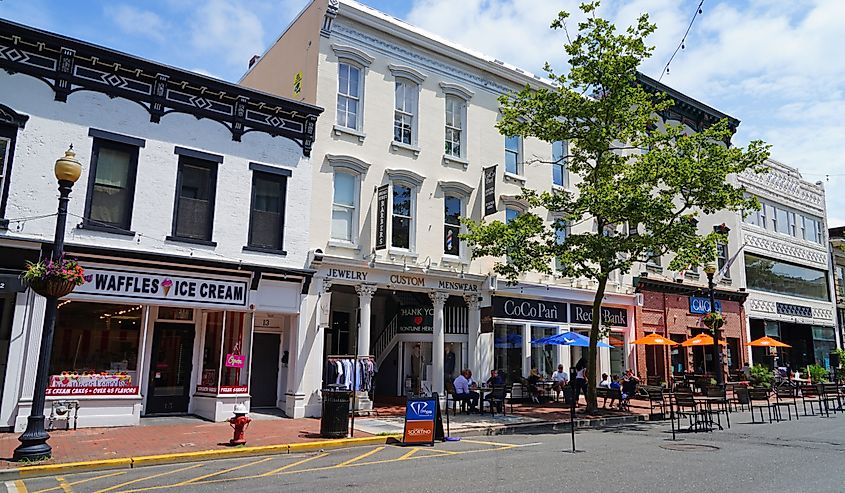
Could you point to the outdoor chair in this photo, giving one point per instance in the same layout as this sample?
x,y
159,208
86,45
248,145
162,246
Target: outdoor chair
x,y
612,394
785,397
496,399
455,400
719,403
810,395
830,397
759,399
517,393
656,399
685,407
740,397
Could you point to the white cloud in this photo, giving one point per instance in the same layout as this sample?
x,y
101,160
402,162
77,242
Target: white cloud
x,y
134,21
774,64
230,32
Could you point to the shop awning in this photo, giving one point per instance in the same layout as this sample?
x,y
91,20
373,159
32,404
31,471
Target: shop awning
x,y
569,339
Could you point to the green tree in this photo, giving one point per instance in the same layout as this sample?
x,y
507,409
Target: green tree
x,y
640,204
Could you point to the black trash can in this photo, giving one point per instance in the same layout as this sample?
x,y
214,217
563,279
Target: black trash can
x,y
334,422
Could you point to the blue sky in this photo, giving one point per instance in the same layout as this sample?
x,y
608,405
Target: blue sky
x,y
774,64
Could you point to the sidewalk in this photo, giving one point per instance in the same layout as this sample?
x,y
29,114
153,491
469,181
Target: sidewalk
x,y
177,435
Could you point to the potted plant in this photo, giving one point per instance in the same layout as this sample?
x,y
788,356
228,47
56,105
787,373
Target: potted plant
x,y
817,373
53,277
761,376
713,320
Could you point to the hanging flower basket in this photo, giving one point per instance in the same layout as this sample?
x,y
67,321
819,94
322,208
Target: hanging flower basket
x,y
53,278
713,320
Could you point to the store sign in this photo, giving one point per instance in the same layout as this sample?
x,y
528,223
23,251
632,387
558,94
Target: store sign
x,y
162,287
63,391
381,217
702,305
415,319
347,274
583,314
794,310
489,190
224,390
11,283
464,287
235,361
525,309
420,420
486,320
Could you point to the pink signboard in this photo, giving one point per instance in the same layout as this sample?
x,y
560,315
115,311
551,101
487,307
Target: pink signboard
x,y
57,391
235,360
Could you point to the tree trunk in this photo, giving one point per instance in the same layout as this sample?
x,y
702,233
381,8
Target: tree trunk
x,y
592,359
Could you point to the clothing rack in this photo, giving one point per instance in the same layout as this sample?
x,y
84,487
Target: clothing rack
x,y
334,357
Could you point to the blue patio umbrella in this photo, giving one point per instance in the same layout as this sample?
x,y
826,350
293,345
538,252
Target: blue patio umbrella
x,y
569,339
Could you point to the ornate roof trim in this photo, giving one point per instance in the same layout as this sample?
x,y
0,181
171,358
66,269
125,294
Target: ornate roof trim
x,y
687,110
69,65
405,72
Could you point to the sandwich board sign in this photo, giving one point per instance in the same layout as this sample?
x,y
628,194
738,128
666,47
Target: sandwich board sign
x,y
423,422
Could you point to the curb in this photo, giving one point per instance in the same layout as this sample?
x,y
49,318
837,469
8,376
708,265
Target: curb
x,y
554,426
151,460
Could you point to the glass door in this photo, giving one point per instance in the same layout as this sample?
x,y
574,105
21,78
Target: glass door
x,y
170,369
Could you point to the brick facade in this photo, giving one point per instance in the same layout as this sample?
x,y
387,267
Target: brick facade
x,y
662,308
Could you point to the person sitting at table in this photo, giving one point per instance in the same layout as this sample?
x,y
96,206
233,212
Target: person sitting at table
x,y
560,379
629,388
465,390
533,388
605,381
495,378
613,385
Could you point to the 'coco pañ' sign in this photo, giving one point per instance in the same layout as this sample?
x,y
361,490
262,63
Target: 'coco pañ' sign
x,y
164,288
528,309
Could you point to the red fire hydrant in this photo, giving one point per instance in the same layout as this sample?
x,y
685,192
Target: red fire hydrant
x,y
239,423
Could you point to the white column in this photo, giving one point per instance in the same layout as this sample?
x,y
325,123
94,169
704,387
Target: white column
x,y
365,298
473,328
438,346
526,350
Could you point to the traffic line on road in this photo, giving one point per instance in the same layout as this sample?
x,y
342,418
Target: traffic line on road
x,y
224,471
63,484
292,464
15,486
81,481
482,442
410,453
362,456
146,478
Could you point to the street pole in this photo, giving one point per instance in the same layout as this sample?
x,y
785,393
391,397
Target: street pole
x,y
34,444
717,351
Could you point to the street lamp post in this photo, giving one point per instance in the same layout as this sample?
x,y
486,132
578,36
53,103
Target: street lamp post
x,y
34,444
710,270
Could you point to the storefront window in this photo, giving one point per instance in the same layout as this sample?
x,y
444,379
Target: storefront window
x,y
733,353
507,354
95,349
824,342
779,277
617,354
679,354
225,350
543,356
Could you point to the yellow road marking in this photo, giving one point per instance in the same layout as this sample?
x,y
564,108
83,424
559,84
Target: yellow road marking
x,y
410,453
56,488
224,471
174,471
20,486
292,464
63,484
362,456
316,469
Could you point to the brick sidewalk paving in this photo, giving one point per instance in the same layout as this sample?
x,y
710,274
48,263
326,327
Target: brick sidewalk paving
x,y
187,434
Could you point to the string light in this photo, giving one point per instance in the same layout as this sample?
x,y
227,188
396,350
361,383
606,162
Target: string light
x,y
682,44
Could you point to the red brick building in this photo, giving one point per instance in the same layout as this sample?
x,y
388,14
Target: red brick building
x,y
675,310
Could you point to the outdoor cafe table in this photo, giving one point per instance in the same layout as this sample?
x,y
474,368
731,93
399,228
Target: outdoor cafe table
x,y
708,404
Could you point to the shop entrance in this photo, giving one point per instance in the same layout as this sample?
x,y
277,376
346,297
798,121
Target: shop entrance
x,y
170,369
263,381
417,368
7,306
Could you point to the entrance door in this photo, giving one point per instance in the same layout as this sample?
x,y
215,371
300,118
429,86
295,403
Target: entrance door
x,y
170,369
263,381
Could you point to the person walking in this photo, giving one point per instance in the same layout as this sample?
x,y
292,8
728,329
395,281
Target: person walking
x,y
580,378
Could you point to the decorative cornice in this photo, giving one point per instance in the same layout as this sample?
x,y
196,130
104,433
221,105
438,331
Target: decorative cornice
x,y
687,110
515,202
686,289
786,184
406,176
401,71
12,117
348,162
68,65
770,245
770,307
344,52
456,90
455,187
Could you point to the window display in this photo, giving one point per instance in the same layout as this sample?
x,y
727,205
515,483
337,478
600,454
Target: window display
x,y
225,350
95,349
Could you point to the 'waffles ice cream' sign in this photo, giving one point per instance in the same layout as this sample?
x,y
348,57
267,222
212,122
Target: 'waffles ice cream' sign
x,y
142,286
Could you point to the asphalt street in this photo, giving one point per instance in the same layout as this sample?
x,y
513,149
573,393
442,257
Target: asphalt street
x,y
790,456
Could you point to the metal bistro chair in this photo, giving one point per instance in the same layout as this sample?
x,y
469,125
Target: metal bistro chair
x,y
830,397
686,407
760,395
740,398
656,400
496,399
719,403
786,396
810,394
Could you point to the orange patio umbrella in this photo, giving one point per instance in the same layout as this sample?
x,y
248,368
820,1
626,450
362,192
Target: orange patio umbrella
x,y
701,340
767,342
654,340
